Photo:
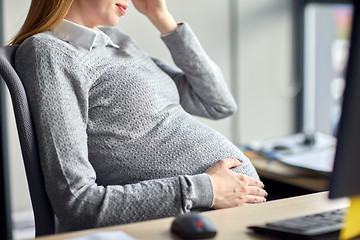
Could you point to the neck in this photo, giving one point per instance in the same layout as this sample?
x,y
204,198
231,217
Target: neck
x,y
75,15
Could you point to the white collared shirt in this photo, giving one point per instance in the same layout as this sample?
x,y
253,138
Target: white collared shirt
x,y
82,36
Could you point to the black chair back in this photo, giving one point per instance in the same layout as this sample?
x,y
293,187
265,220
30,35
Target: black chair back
x,y
43,213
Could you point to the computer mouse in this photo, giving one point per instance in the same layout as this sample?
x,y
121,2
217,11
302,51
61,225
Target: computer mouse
x,y
193,225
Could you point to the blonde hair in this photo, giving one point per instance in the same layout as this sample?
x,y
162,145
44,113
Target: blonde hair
x,y
43,15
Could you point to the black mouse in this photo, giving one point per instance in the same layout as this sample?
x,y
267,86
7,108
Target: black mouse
x,y
193,225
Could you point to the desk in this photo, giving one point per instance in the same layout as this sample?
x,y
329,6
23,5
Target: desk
x,y
280,172
231,223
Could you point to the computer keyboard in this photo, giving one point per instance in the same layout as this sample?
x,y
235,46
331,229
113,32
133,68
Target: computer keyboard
x,y
306,227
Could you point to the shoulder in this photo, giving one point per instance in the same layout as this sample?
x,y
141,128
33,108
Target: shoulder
x,y
44,45
43,52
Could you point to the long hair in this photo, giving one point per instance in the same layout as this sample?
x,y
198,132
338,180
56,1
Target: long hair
x,y
42,16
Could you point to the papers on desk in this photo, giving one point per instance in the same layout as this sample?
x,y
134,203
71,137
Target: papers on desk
x,y
318,160
108,235
291,150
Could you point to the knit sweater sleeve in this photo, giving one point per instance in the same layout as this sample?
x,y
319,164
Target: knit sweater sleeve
x,y
58,90
202,88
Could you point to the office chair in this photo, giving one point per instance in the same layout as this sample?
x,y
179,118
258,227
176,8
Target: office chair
x,y
43,213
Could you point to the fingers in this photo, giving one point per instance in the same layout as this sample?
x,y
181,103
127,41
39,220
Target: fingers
x,y
229,162
251,181
254,199
234,189
255,195
252,189
257,192
234,162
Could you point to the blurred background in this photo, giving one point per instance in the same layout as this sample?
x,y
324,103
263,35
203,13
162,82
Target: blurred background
x,y
272,53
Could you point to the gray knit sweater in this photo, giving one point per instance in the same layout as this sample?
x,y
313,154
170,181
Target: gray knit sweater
x,y
117,140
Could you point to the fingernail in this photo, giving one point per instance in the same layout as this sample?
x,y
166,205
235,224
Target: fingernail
x,y
266,194
263,186
264,199
240,160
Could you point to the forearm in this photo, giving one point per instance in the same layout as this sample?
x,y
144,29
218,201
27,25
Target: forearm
x,y
202,88
97,206
164,22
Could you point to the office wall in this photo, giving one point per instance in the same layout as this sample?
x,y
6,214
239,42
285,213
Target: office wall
x,y
266,88
263,69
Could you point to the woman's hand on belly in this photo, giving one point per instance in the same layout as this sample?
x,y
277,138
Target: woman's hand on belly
x,y
233,189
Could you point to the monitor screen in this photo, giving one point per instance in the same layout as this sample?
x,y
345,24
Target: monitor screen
x,y
345,179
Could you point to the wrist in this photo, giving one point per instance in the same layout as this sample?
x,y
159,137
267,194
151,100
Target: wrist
x,y
164,22
203,192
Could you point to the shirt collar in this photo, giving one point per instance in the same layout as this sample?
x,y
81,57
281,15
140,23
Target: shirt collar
x,y
81,36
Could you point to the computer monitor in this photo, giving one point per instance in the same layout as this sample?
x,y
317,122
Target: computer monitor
x,y
345,179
